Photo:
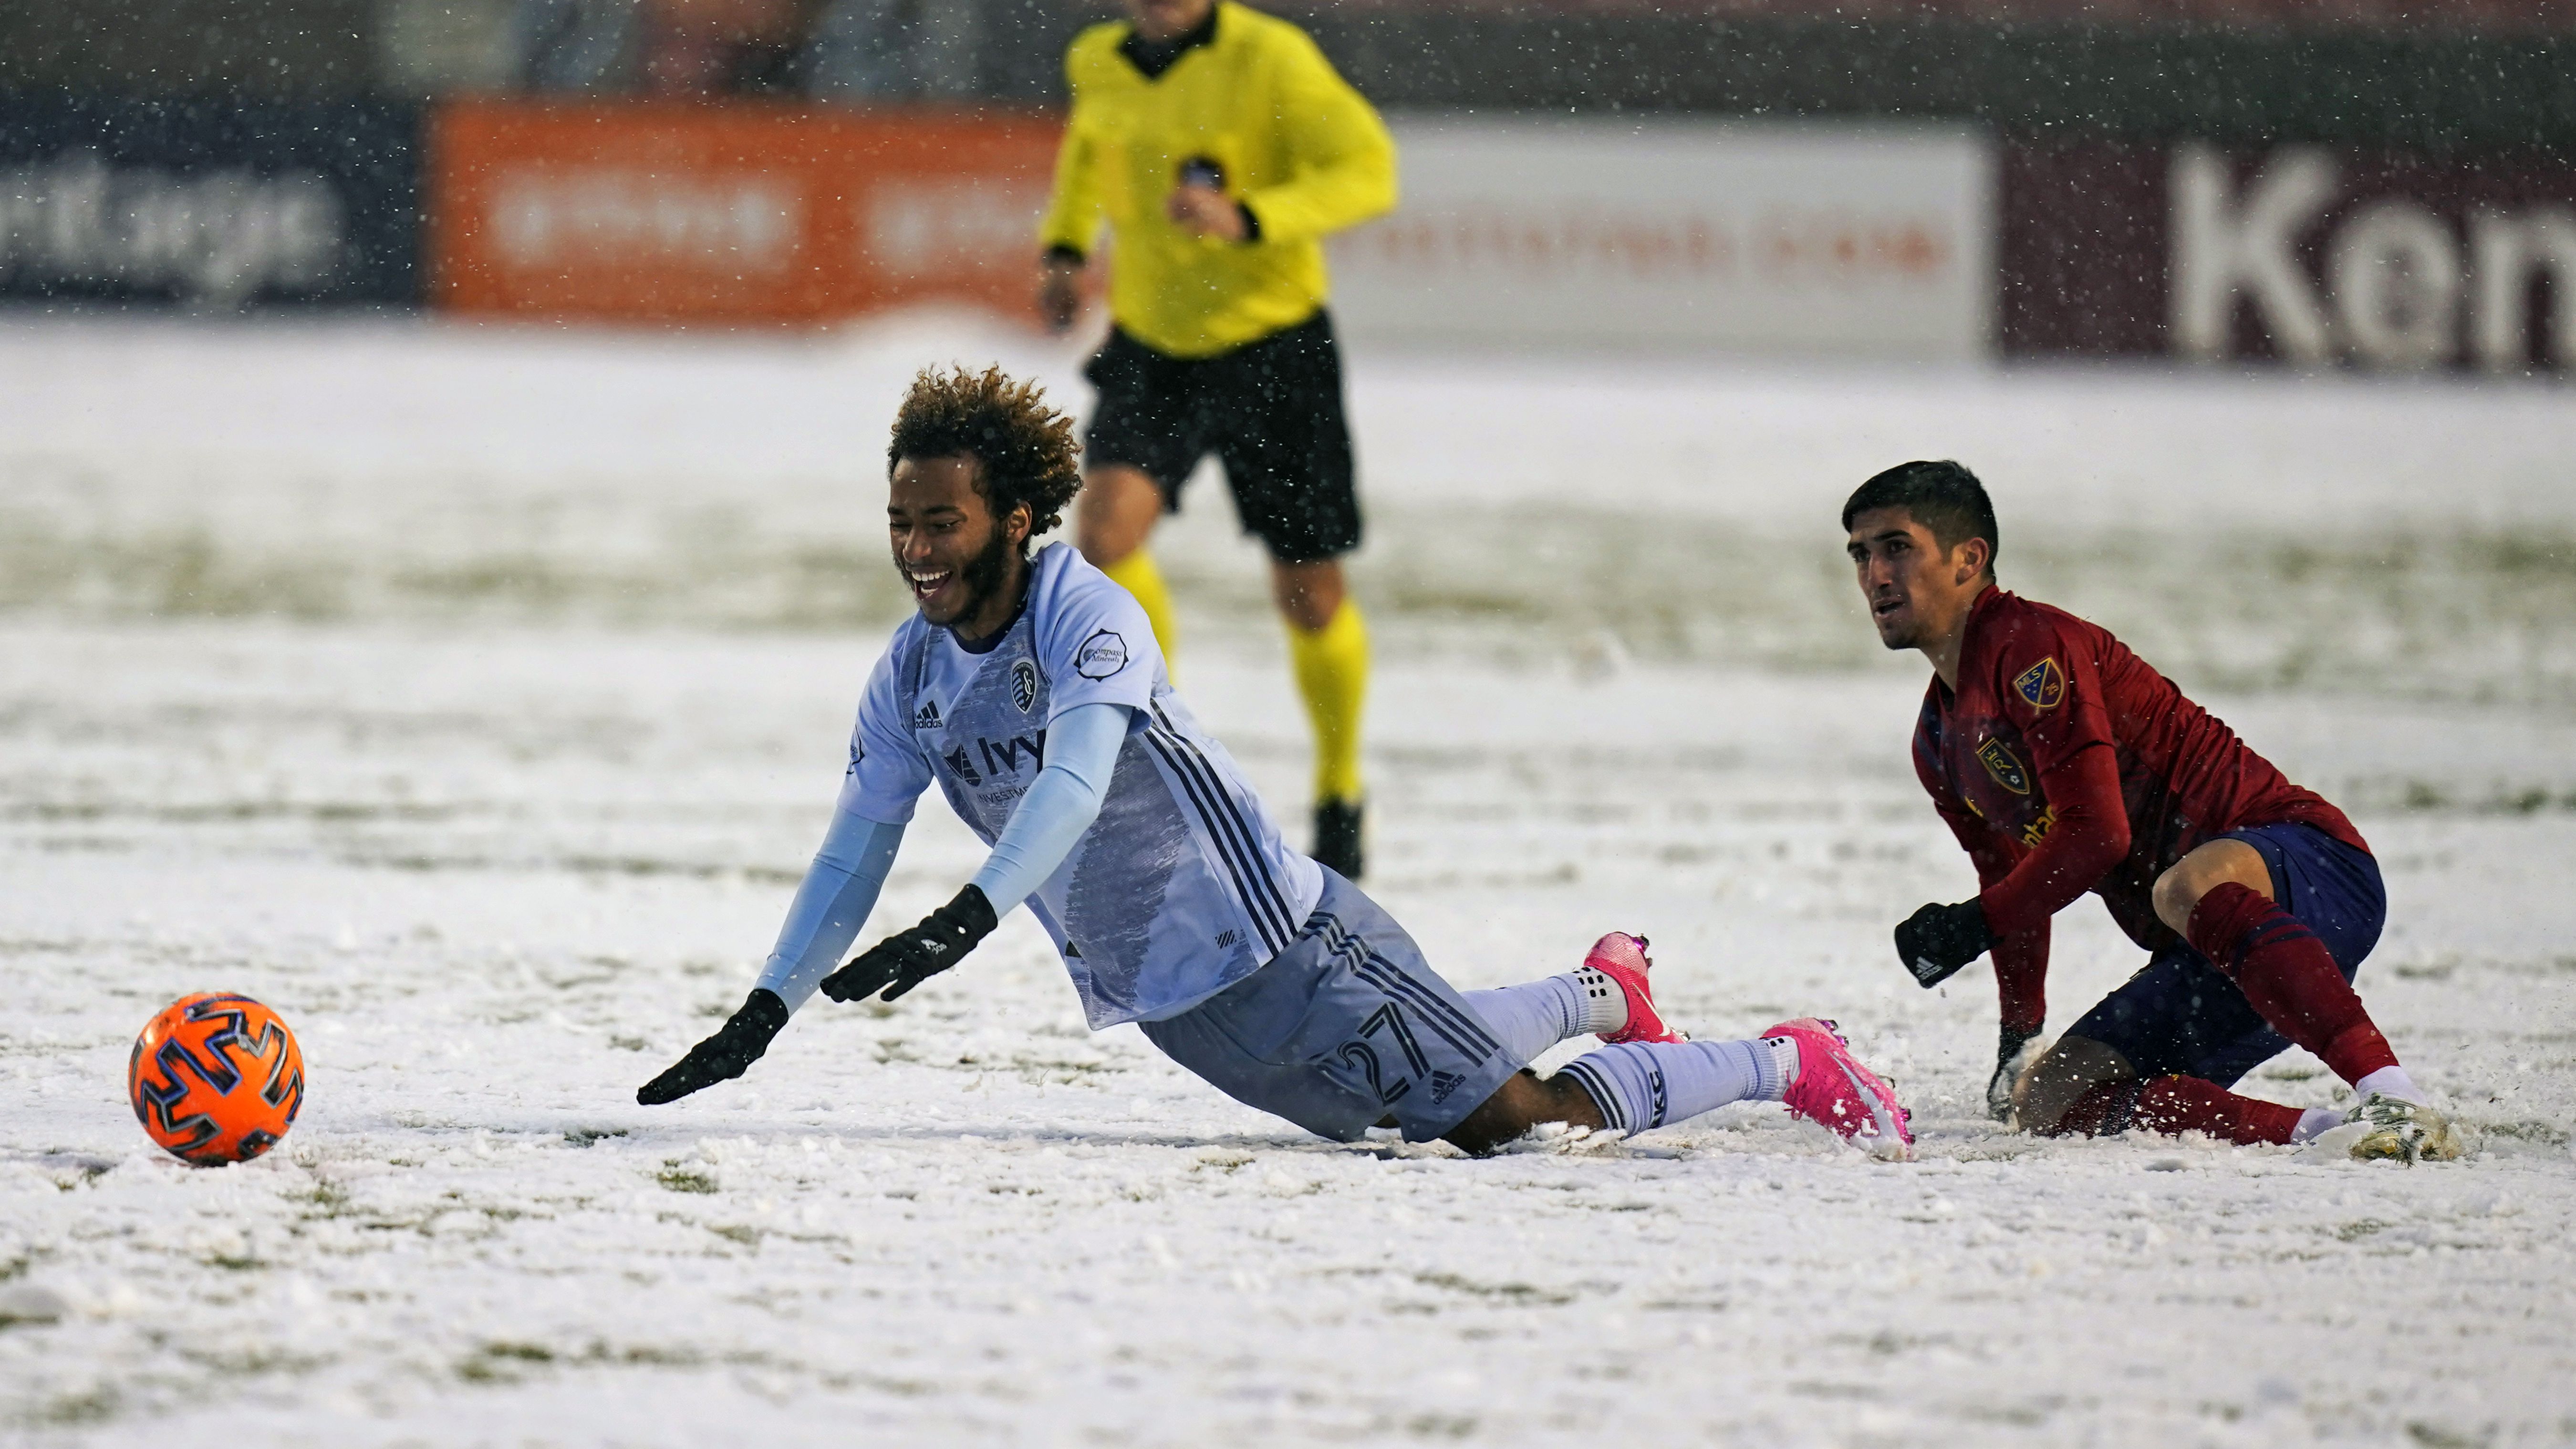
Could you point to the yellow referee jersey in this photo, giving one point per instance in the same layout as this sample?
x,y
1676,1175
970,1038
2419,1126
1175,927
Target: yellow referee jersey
x,y
1294,143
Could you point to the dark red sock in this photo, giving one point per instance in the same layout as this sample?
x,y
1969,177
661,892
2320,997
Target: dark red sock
x,y
2174,1105
2286,972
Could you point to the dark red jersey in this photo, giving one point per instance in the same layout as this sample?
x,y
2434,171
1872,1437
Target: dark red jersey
x,y
2065,764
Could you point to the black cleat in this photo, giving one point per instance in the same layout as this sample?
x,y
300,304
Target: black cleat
x,y
1337,836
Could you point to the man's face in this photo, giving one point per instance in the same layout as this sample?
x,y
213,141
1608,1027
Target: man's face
x,y
953,554
1164,19
1916,590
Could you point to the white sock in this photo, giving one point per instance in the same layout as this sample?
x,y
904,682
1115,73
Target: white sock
x,y
1785,1048
2391,1082
1535,1015
1641,1084
2314,1121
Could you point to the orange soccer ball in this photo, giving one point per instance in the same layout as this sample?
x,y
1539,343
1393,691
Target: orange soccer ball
x,y
216,1078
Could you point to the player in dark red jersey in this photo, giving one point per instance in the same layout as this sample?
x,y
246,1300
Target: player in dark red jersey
x,y
2066,764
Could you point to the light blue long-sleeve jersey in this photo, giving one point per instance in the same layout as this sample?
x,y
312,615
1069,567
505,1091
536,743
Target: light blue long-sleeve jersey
x,y
842,885
1081,752
1183,884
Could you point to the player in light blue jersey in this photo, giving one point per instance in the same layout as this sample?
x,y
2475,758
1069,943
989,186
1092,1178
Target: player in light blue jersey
x,y
1029,689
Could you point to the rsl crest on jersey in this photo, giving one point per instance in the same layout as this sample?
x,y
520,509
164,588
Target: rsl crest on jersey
x,y
2005,766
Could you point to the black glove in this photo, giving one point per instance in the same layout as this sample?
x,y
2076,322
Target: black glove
x,y
1999,1086
906,959
1936,941
722,1057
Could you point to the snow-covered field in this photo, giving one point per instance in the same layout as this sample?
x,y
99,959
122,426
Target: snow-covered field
x,y
475,699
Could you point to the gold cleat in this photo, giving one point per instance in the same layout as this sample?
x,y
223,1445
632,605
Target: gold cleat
x,y
2408,1132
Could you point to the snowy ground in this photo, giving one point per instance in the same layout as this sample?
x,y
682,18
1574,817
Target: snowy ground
x,y
475,700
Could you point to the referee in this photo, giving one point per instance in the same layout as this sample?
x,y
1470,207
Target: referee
x,y
1221,148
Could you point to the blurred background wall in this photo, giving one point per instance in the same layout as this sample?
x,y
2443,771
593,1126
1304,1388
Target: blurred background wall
x,y
2358,182
2440,73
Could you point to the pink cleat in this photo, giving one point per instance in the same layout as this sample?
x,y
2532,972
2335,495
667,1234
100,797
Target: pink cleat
x,y
1622,958
1835,1089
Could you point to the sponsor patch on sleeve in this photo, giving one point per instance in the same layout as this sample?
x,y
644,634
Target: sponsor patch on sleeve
x,y
1101,655
2042,685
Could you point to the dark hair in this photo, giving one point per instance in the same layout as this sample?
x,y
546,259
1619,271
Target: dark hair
x,y
1944,497
1027,449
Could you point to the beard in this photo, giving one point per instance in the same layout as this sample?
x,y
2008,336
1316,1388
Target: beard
x,y
1905,632
984,575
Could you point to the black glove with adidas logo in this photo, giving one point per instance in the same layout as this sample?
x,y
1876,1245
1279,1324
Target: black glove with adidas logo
x,y
907,958
1937,940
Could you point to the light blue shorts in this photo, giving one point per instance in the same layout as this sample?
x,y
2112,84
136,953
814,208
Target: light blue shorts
x,y
1346,1026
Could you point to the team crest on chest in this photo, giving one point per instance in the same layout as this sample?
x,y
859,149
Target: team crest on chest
x,y
2005,766
2042,685
1024,684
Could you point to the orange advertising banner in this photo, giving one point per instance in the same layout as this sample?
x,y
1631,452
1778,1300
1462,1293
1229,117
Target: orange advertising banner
x,y
683,213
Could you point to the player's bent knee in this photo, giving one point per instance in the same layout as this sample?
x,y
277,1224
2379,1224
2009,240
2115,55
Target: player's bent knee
x,y
2060,1078
1115,513
1308,594
2177,892
2174,897
1106,545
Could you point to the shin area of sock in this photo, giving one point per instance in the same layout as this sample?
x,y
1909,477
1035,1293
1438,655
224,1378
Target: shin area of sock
x,y
2289,977
1643,1085
1331,665
2175,1105
1535,1015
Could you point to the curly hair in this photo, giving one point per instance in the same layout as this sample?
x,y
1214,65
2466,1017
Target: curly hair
x,y
1027,448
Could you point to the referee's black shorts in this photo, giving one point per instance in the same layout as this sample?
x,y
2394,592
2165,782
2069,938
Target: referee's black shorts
x,y
1270,410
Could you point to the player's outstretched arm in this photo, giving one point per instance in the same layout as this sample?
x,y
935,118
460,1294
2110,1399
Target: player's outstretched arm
x,y
839,890
1082,750
918,952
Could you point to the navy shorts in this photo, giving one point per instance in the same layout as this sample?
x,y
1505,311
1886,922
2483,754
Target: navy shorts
x,y
1346,1026
2181,1015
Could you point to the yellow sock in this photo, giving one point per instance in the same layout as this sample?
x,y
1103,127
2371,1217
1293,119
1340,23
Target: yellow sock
x,y
1331,665
1137,575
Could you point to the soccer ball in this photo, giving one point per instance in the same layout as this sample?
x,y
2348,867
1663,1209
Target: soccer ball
x,y
216,1078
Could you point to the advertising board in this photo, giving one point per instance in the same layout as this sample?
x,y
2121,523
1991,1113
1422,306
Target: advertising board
x,y
749,213
208,204
1850,239
2307,255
